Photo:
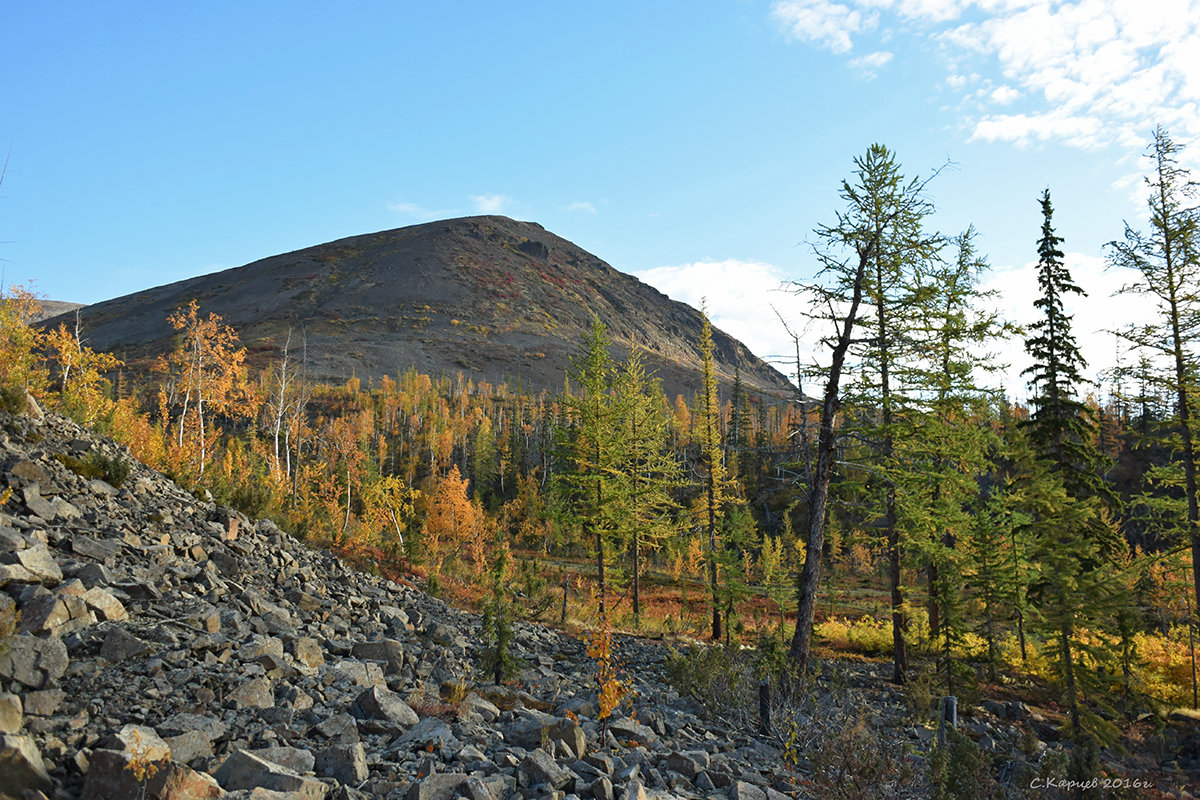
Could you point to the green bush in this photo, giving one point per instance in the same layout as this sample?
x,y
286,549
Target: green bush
x,y
12,399
853,761
98,466
959,770
722,678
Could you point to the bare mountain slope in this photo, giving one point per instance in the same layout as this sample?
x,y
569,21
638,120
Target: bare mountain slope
x,y
490,296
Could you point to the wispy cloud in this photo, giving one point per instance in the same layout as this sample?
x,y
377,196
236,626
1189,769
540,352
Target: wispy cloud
x,y
490,203
1089,73
870,64
582,205
830,25
417,211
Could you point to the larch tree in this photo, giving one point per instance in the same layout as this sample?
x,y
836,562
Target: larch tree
x,y
712,468
1167,262
943,448
652,470
590,482
865,258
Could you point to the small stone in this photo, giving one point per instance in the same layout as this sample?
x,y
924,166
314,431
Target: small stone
x,y
540,768
138,740
634,791
11,713
43,614
740,790
293,758
179,724
189,746
572,735
105,604
307,651
32,661
39,561
626,729
345,763
387,651
120,645
602,788
244,770
437,787
340,728
383,704
16,573
254,693
429,732
44,702
30,472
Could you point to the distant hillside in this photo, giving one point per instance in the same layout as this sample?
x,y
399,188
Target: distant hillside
x,y
490,296
55,308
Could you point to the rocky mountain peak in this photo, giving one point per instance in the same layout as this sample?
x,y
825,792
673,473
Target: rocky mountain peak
x,y
489,296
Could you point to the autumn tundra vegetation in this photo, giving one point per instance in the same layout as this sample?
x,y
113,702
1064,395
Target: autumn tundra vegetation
x,y
904,511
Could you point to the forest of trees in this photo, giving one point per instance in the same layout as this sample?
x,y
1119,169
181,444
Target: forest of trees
x,y
1058,538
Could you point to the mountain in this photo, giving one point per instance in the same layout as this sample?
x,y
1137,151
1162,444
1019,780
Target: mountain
x,y
55,308
490,296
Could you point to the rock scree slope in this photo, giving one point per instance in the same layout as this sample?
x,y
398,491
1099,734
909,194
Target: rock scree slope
x,y
172,649
489,296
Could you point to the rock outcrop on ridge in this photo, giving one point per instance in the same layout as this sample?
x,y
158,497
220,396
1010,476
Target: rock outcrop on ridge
x,y
170,648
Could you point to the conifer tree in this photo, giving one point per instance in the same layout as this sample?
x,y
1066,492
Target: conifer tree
x,y
864,260
652,470
942,448
591,482
712,467
1072,539
1061,425
1167,260
893,209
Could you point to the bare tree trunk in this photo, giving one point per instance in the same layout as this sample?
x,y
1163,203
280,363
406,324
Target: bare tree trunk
x,y
810,576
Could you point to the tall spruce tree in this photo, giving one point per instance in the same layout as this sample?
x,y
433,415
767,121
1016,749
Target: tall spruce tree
x,y
1072,540
1167,260
1061,426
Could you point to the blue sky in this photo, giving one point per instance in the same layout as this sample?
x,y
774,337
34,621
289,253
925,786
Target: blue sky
x,y
694,144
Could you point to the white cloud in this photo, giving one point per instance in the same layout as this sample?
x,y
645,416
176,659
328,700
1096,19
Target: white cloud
x,y
822,22
1094,316
490,203
416,211
1090,73
870,64
582,205
739,295
1004,95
